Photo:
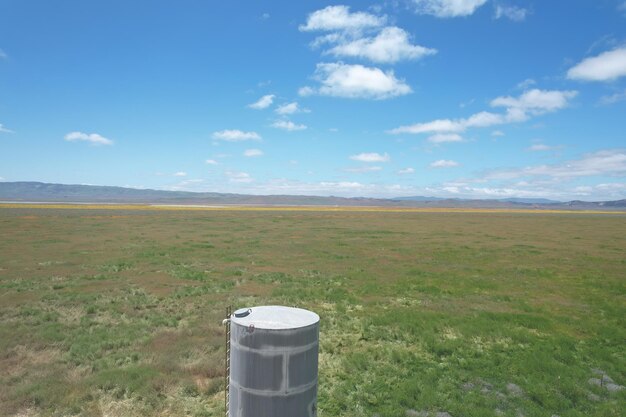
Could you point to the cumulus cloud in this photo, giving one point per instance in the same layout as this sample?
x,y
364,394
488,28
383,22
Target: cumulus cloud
x,y
253,152
371,157
608,66
447,8
180,174
444,163
497,133
334,18
211,162
361,170
4,129
288,125
263,103
536,101
92,138
514,13
362,35
391,45
290,108
356,81
238,177
517,109
406,171
235,135
445,137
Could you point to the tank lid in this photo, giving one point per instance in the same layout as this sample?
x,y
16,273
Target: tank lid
x,y
276,317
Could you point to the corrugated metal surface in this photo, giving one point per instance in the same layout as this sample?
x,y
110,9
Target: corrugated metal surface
x,y
273,362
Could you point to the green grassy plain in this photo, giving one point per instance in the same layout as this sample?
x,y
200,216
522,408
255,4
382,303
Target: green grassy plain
x,y
118,312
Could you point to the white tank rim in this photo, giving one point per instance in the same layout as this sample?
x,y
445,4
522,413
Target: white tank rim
x,y
274,317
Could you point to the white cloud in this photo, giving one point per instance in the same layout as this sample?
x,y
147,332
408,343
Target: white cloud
x,y
483,119
4,129
406,171
343,184
186,185
518,109
527,83
180,174
263,103
305,91
253,152
371,157
497,192
445,137
290,108
330,38
391,45
93,138
607,66
439,125
360,170
541,147
622,7
235,135
288,125
612,185
343,188
517,14
444,163
334,18
601,163
536,101
3,55
448,8
606,100
356,81
211,162
238,177
497,133
534,189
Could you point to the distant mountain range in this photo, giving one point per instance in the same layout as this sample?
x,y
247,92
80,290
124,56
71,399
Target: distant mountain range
x,y
44,192
506,200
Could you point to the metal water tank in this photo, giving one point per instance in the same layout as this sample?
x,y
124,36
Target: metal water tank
x,y
273,362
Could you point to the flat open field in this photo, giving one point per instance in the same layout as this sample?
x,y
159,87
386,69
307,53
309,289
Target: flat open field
x,y
118,312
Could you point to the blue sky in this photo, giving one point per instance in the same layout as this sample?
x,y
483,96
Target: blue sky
x,y
447,98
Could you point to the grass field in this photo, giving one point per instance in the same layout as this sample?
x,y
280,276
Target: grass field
x,y
118,312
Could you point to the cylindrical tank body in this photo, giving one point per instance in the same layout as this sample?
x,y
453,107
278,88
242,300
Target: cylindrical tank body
x,y
273,362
